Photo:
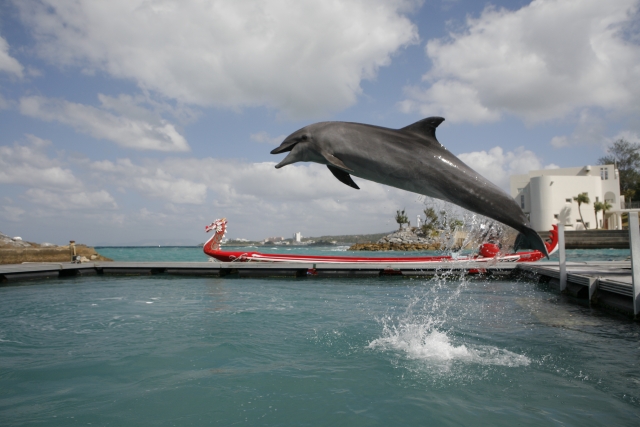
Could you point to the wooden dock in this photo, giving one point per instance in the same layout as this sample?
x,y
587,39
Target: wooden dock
x,y
607,284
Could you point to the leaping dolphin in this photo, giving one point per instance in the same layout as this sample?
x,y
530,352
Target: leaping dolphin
x,y
410,158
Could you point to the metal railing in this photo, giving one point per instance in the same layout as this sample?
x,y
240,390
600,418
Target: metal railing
x,y
629,205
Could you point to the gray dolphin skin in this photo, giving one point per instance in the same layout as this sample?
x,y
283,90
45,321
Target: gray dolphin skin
x,y
410,158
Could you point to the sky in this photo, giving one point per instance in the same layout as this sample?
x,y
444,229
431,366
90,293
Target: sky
x,y
138,122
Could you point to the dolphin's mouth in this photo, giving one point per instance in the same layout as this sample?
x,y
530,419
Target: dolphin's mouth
x,y
284,147
295,155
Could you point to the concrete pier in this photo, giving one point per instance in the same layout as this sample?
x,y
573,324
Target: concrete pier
x,y
15,272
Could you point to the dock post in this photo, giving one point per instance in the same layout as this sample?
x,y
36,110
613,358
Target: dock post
x,y
634,244
563,258
593,287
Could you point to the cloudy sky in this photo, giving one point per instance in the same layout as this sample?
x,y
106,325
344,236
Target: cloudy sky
x,y
141,121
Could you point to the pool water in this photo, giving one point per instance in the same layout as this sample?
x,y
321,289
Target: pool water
x,y
165,351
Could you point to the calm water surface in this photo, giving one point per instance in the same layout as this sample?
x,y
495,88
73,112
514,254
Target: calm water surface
x,y
165,351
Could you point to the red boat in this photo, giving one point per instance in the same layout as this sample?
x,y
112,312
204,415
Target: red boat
x,y
487,252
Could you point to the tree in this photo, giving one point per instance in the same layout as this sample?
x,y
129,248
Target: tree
x,y
431,220
455,223
582,198
597,207
449,225
401,218
626,156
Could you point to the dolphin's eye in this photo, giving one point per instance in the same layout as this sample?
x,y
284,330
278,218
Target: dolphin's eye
x,y
303,138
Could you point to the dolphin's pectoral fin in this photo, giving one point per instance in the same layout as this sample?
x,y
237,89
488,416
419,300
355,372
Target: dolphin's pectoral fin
x,y
336,162
343,177
426,127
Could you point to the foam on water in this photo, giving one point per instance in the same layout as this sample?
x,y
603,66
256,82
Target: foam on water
x,y
419,342
420,333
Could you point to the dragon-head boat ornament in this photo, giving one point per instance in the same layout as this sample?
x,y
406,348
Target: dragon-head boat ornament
x,y
220,228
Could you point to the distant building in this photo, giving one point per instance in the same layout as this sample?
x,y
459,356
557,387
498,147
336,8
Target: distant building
x,y
546,196
274,239
297,237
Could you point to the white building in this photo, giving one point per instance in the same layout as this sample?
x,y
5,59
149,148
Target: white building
x,y
546,196
297,237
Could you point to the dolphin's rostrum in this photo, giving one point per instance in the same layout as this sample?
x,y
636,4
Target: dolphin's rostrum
x,y
410,158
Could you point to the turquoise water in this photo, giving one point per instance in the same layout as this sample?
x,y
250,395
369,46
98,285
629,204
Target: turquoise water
x,y
194,253
165,351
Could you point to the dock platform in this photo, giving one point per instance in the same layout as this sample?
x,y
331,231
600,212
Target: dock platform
x,y
13,272
606,283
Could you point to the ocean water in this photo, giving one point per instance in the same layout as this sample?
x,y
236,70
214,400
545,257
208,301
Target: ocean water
x,y
194,351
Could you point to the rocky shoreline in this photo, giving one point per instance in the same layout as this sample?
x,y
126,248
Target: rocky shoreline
x,y
402,240
14,250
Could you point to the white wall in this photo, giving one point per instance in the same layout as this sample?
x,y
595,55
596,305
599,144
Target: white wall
x,y
552,201
548,195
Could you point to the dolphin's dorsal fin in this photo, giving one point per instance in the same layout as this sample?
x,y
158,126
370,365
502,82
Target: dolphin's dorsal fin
x,y
343,177
425,127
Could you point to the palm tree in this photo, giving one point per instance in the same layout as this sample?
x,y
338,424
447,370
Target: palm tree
x,y
597,207
582,198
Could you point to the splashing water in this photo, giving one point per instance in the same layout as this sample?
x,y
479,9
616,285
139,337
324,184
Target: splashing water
x,y
426,332
463,231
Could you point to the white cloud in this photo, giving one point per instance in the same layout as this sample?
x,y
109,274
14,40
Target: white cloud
x,y
443,98
4,104
543,61
29,165
260,199
301,57
497,165
138,133
152,181
590,129
50,183
8,64
12,213
145,108
72,200
264,138
560,141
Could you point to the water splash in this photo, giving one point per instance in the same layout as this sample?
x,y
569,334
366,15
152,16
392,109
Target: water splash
x,y
421,342
427,330
463,231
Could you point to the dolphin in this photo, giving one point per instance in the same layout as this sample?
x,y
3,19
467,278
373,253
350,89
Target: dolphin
x,y
410,158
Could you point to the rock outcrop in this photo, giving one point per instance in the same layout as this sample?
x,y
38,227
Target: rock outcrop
x,y
402,240
17,251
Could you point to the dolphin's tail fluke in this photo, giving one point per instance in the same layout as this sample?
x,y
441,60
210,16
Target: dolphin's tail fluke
x,y
529,239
